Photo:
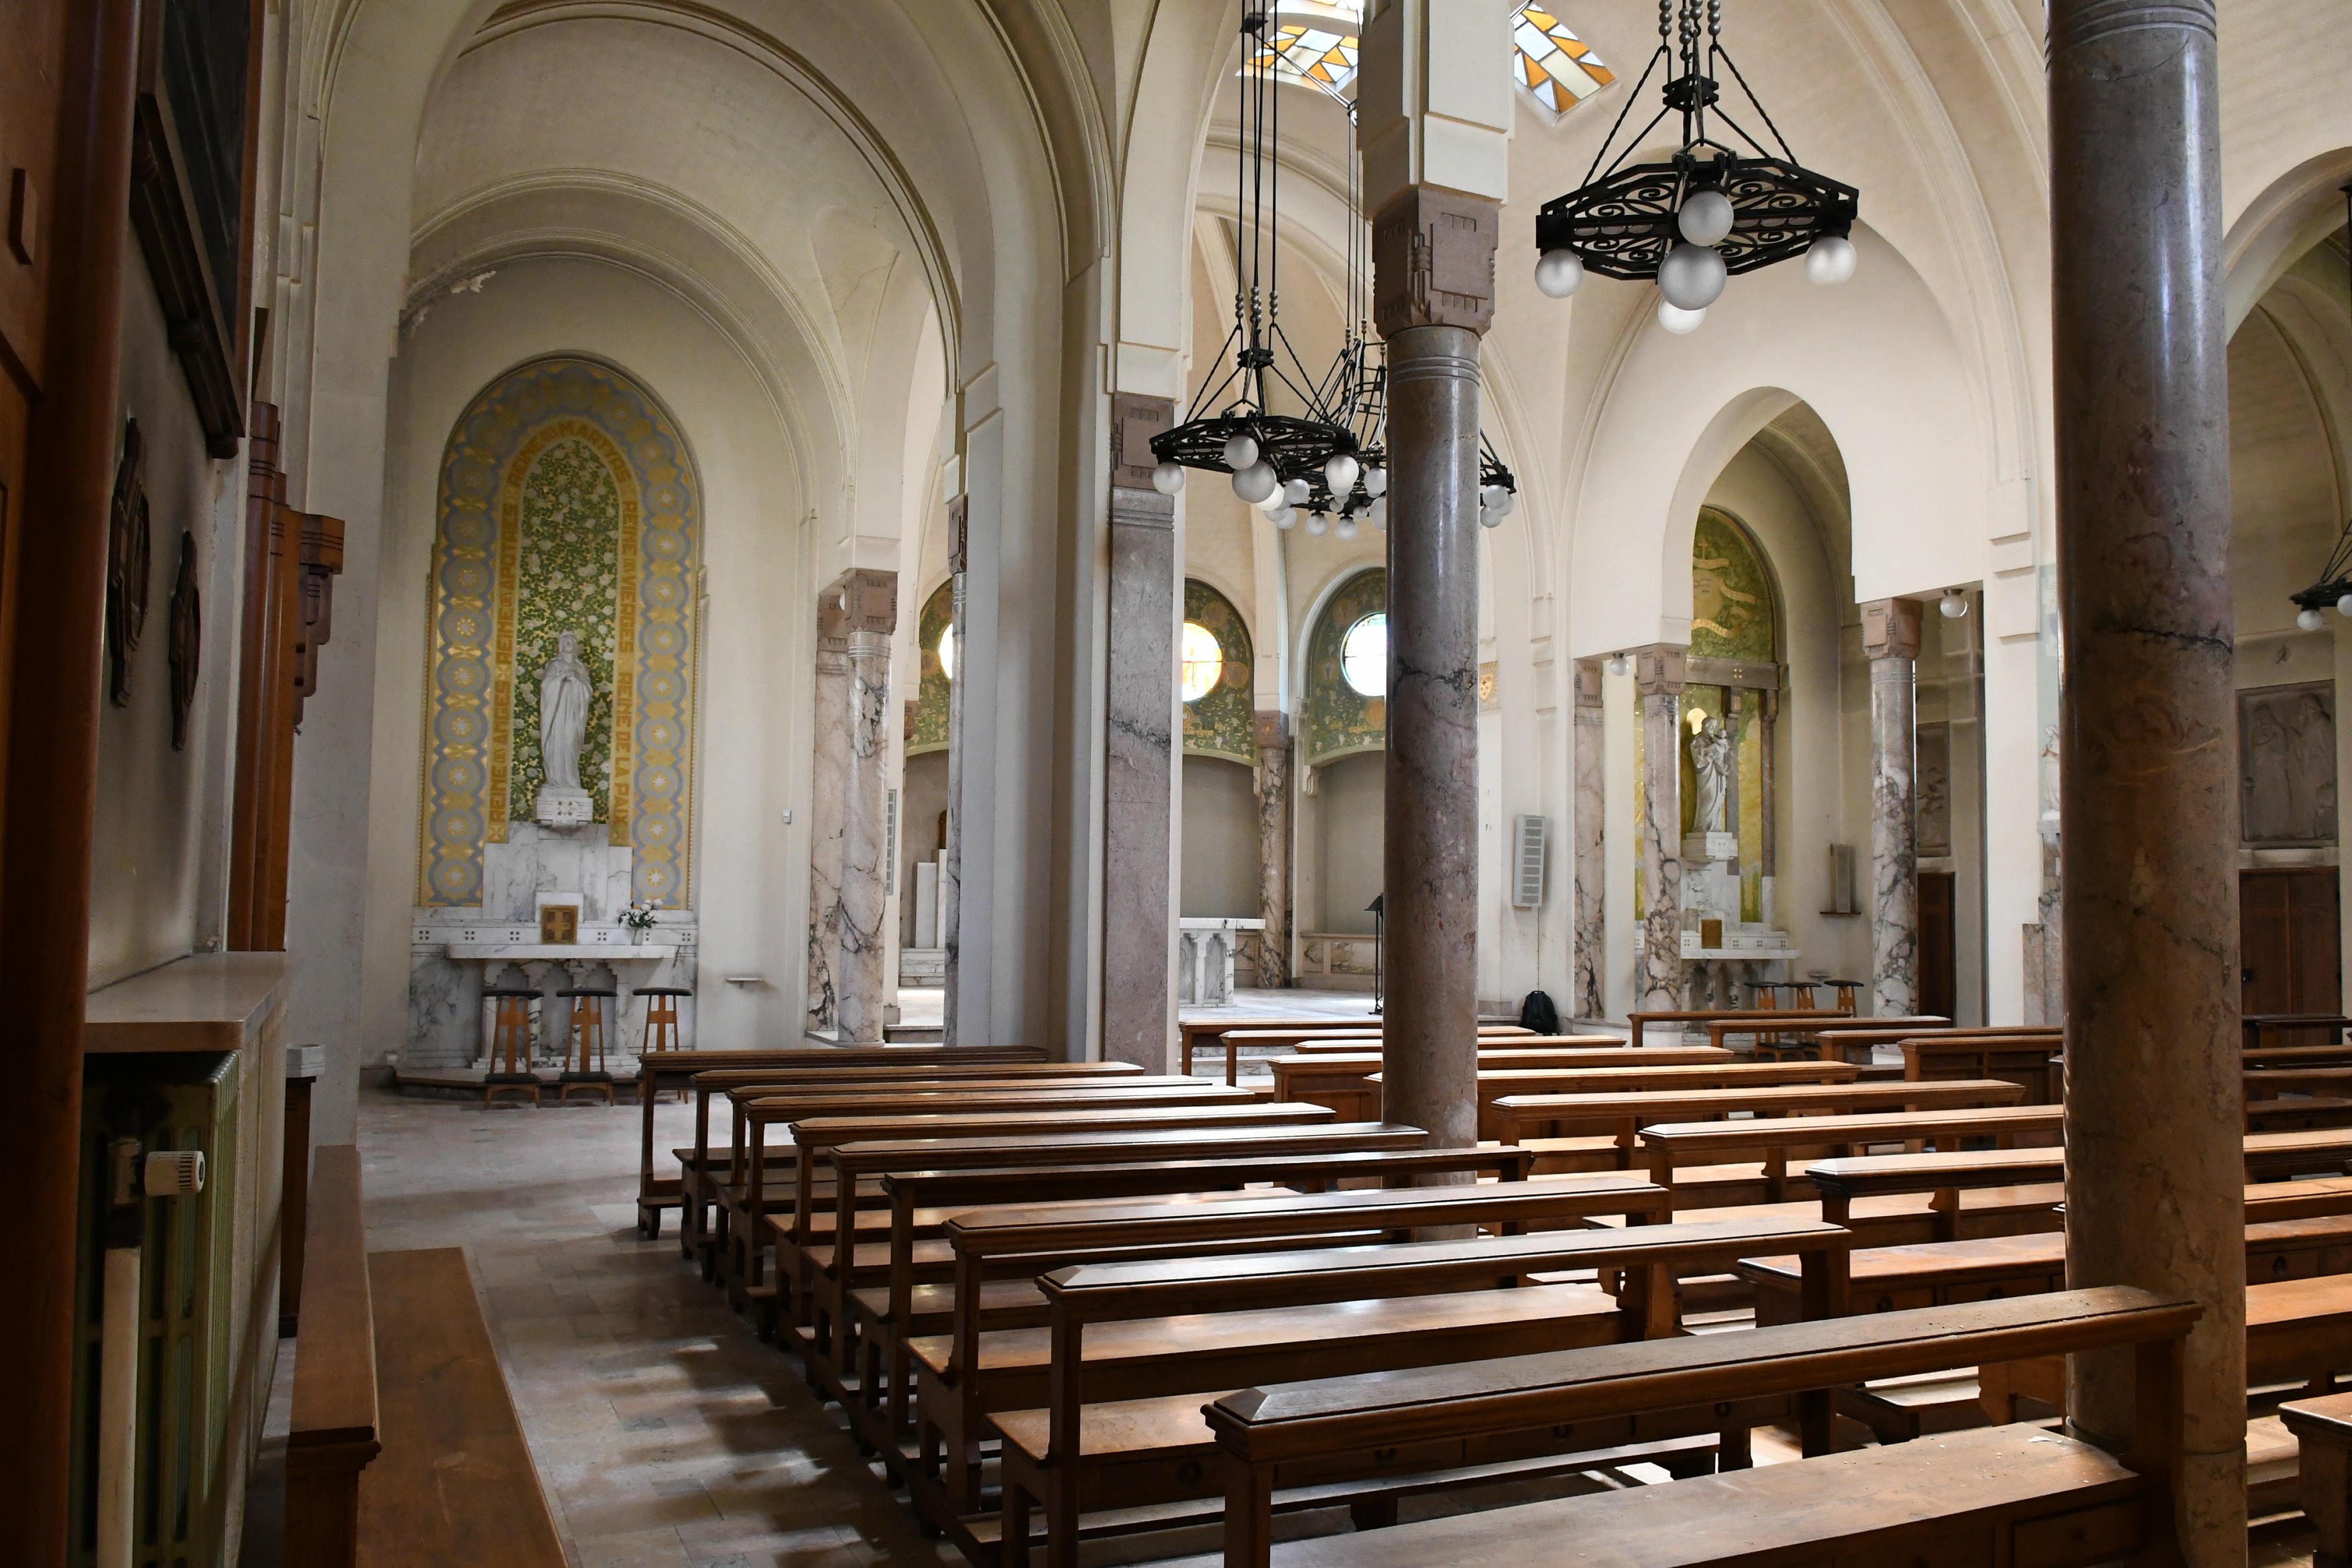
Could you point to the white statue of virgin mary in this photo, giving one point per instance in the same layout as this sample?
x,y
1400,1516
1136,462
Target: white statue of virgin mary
x,y
564,690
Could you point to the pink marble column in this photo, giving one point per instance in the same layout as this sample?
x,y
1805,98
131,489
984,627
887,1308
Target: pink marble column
x,y
1591,933
829,745
1658,677
1890,638
951,855
861,968
1433,267
1274,849
2155,1177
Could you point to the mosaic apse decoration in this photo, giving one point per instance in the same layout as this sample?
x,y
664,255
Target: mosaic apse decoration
x,y
568,502
1223,720
927,727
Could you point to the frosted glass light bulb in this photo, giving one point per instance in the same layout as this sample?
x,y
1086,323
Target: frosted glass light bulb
x,y
1378,515
1296,491
1286,518
1488,516
2344,605
2311,621
1692,275
1255,481
1168,477
1560,273
1344,527
1340,472
1498,499
1376,482
1620,666
1705,218
1318,524
1830,260
1240,452
1678,321
1275,501
1954,605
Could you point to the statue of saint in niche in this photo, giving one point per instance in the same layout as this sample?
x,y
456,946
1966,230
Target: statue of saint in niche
x,y
1711,763
564,690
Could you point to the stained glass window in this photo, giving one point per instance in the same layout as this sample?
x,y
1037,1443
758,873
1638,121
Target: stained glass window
x,y
1559,70
1319,56
1204,661
948,653
1364,656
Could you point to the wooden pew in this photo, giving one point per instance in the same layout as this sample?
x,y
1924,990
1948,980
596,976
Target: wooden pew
x,y
1346,1083
2026,1061
1368,1044
455,1483
335,1433
1720,1029
2005,1495
1517,1113
1670,1147
2298,1056
2323,1433
1769,1019
1611,1077
743,1198
701,1170
814,1137
1195,1032
2262,1027
916,1303
664,1070
992,1355
1128,1378
1291,1039
1855,1042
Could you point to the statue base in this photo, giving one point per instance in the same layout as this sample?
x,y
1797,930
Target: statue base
x,y
1698,848
566,808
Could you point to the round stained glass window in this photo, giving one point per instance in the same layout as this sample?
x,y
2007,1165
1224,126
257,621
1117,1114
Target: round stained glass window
x,y
1204,661
947,653
1364,656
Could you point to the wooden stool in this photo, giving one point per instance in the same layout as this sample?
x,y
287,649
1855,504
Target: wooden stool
x,y
585,1071
661,1025
511,1070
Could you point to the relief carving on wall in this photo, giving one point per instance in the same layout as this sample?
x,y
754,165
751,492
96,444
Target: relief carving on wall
x,y
129,556
2286,764
1934,785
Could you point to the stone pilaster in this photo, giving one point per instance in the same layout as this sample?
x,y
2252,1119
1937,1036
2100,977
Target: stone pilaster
x,y
1658,677
951,854
1139,1010
1591,933
1890,638
1274,848
861,976
2155,1180
828,781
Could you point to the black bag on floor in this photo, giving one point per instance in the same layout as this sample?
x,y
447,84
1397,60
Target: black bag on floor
x,y
1537,1013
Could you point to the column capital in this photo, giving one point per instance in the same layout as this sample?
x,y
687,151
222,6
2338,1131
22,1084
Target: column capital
x,y
1588,683
1434,260
1135,419
1273,729
1660,667
959,522
1890,629
860,600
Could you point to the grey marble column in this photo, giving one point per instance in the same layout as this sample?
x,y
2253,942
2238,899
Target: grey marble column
x,y
1138,932
1274,849
1658,677
1890,638
951,854
861,976
2155,1180
828,778
1590,935
1434,267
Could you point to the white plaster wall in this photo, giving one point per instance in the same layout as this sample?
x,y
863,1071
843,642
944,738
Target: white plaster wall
x,y
158,876
1221,853
750,874
1352,794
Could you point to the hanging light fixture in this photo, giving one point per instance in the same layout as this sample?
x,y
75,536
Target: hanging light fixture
x,y
1267,454
2335,584
1714,210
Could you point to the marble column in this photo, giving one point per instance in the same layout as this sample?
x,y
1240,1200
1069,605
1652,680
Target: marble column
x,y
1658,677
2155,1183
828,778
1890,640
1274,849
1423,241
1139,904
952,853
1591,937
861,968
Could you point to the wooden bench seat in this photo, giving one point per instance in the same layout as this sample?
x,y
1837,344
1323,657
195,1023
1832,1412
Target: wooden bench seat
x,y
2322,1428
1770,1018
1276,1036
336,1432
455,1484
1719,1031
2031,1061
1090,1303
884,1375
1349,1082
1367,1042
1555,1115
2012,1494
1612,1077
1668,1146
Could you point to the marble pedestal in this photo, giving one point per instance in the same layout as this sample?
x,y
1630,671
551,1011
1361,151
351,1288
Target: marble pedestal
x,y
1204,959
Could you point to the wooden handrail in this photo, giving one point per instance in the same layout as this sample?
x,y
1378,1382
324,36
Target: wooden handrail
x,y
335,1434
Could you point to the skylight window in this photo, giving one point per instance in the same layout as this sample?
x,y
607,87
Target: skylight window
x,y
1315,44
1558,68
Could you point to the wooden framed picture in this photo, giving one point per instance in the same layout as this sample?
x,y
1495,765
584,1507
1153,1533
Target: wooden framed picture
x,y
559,924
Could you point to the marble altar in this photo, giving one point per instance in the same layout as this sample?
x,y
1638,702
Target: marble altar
x,y
1205,958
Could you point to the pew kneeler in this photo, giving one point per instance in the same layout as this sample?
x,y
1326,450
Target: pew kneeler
x,y
511,1070
585,1072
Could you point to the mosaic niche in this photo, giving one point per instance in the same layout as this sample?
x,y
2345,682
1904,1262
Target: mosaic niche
x,y
1338,719
927,728
1732,612
2287,762
567,503
1222,721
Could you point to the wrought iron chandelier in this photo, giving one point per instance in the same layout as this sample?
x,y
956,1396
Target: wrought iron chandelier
x,y
1275,459
2335,584
1713,209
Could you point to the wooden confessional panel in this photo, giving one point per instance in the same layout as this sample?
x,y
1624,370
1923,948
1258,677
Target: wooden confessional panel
x,y
1939,952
